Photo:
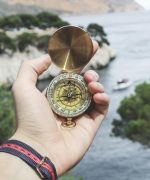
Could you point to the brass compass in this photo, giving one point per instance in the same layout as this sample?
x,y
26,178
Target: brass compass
x,y
70,48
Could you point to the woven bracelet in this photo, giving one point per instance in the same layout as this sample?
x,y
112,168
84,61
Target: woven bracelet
x,y
42,165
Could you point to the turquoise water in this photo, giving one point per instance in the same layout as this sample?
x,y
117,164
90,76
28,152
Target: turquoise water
x,y
111,158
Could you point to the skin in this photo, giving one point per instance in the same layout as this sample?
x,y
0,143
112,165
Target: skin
x,y
39,127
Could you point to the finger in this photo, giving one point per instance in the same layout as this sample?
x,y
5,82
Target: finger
x,y
95,46
100,107
101,99
90,76
30,70
95,115
95,87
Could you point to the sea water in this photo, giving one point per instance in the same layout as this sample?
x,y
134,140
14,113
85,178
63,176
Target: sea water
x,y
113,158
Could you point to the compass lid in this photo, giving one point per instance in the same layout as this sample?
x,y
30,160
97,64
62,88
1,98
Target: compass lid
x,y
70,48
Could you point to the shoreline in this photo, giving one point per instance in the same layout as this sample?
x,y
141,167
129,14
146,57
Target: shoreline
x,y
63,15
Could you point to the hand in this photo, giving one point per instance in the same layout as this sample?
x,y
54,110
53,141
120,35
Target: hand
x,y
39,127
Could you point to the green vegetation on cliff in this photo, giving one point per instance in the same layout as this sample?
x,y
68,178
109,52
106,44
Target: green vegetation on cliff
x,y
22,41
135,116
6,43
42,20
98,33
50,20
7,115
68,176
25,39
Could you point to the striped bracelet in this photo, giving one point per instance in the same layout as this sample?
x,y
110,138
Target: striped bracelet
x,y
42,165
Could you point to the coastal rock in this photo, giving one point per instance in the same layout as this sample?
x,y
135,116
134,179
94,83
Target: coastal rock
x,y
103,57
9,64
13,33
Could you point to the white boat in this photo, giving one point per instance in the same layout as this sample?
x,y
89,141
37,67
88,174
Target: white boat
x,y
122,84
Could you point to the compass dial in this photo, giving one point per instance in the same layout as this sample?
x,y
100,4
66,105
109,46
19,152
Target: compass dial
x,y
68,95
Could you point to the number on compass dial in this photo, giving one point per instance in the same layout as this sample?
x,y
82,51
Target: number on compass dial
x,y
68,95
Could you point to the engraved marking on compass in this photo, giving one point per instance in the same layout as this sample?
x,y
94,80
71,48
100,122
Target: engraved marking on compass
x,y
67,58
70,76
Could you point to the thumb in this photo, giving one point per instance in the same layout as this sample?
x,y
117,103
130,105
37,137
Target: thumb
x,y
30,70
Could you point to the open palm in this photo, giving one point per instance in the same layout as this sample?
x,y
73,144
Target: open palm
x,y
39,127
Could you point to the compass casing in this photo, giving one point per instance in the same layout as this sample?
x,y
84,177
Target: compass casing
x,y
70,49
68,95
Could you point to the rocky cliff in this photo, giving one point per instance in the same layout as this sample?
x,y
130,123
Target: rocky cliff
x,y
68,6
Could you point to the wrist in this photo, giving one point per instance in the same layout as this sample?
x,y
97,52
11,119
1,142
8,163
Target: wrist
x,y
13,167
36,145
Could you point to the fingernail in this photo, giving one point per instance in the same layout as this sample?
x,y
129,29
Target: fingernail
x,y
97,84
100,86
94,74
96,77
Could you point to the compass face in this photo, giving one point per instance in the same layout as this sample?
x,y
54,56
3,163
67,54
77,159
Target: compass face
x,y
68,95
